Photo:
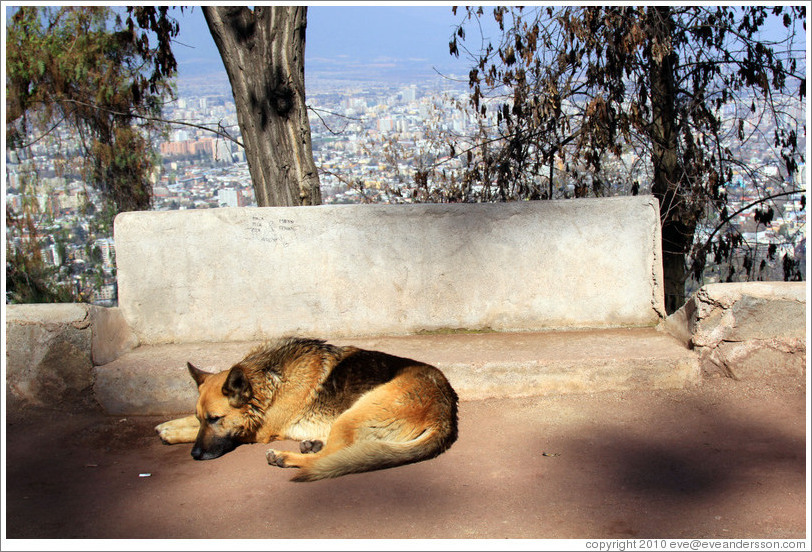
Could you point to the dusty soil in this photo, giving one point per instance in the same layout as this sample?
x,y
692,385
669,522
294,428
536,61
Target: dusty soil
x,y
724,460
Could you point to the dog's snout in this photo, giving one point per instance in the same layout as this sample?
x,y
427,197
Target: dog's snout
x,y
211,449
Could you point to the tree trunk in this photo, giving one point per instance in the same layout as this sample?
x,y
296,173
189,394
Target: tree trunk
x,y
263,53
677,235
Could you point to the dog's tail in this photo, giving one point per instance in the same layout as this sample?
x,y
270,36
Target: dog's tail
x,y
369,455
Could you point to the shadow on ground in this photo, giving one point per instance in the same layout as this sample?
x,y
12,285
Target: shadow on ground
x,y
721,460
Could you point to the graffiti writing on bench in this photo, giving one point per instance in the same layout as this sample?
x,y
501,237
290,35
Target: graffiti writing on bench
x,y
278,231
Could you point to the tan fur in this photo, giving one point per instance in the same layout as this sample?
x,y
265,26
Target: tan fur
x,y
353,410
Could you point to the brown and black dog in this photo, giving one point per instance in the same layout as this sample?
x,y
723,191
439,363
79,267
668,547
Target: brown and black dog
x,y
353,410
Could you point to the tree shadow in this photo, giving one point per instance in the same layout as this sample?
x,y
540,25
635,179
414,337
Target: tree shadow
x,y
661,471
695,467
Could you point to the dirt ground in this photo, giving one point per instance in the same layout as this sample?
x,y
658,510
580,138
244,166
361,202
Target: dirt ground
x,y
726,459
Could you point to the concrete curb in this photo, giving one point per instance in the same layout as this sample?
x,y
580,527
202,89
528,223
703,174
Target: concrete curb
x,y
152,380
51,350
744,331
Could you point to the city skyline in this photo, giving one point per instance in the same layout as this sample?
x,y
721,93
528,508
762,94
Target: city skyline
x,y
363,111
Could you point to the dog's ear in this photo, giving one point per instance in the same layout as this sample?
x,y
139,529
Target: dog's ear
x,y
237,388
197,374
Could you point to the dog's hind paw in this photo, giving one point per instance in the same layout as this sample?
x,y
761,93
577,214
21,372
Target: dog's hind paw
x,y
310,446
275,458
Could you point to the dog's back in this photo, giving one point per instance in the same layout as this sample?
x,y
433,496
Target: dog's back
x,y
359,371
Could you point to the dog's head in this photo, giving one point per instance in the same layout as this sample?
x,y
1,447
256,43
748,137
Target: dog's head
x,y
221,410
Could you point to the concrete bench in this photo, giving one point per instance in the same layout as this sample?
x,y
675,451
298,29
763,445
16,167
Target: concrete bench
x,y
366,270
507,299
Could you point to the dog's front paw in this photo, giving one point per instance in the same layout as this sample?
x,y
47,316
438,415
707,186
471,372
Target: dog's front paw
x,y
310,446
181,430
164,432
276,458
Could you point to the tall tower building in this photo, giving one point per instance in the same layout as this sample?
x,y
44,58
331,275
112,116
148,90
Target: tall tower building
x,y
229,197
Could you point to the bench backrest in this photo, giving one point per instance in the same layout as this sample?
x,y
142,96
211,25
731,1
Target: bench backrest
x,y
236,274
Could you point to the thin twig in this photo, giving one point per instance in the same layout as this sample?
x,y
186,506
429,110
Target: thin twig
x,y
222,134
743,209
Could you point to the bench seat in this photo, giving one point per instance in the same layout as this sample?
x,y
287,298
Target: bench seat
x,y
153,380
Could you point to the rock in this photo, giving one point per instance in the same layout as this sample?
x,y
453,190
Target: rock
x,y
745,330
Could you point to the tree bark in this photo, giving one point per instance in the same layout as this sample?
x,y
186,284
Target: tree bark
x,y
677,232
263,53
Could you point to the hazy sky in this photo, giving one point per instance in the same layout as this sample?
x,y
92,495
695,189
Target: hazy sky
x,y
390,38
406,36
336,34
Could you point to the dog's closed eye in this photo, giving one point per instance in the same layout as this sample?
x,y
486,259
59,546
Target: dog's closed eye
x,y
213,419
